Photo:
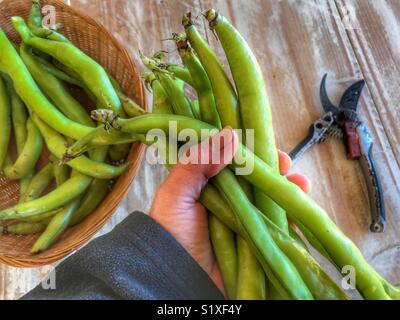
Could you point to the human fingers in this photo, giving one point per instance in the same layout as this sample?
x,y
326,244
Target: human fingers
x,y
285,162
301,180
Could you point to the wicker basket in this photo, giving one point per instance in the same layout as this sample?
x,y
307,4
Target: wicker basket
x,y
97,42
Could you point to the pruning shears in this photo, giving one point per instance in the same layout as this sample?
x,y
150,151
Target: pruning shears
x,y
343,122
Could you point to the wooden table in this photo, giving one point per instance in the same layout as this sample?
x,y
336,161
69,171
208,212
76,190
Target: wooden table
x,y
296,42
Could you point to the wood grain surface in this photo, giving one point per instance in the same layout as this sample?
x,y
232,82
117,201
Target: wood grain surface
x,y
296,42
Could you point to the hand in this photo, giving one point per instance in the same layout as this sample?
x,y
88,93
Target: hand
x,y
177,209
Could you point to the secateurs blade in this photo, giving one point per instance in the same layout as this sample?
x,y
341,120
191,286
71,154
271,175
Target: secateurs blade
x,y
343,122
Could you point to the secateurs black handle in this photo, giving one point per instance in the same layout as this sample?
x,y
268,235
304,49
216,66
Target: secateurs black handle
x,y
375,193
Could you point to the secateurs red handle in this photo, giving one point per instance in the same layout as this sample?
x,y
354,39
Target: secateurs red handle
x,y
352,140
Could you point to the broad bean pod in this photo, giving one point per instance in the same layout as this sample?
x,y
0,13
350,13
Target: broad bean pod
x,y
55,228
55,89
92,74
29,156
90,201
254,104
224,245
224,93
23,228
161,103
5,121
59,74
39,183
35,24
19,118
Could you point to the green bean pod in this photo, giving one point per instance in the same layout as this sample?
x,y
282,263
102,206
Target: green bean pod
x,y
177,71
279,269
55,89
24,184
19,118
161,103
59,74
5,121
39,183
224,244
61,172
55,228
91,200
254,104
131,108
29,156
211,199
287,195
43,218
23,228
201,83
196,109
321,285
71,73
294,235
119,152
313,240
249,286
35,15
56,144
91,140
92,74
180,73
35,24
224,93
57,198
251,278
180,103
255,109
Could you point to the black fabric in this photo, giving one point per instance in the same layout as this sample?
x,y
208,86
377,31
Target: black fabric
x,y
137,260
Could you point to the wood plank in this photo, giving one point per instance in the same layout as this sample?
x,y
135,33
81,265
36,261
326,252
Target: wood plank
x,y
374,33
